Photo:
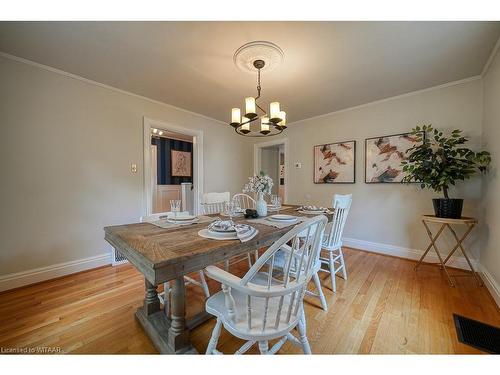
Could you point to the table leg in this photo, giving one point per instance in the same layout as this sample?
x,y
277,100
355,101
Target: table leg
x,y
151,301
459,244
178,334
433,240
433,243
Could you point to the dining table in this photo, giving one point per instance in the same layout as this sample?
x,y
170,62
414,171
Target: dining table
x,y
168,254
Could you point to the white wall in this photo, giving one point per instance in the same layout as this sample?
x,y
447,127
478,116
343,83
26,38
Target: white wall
x,y
386,214
66,147
490,255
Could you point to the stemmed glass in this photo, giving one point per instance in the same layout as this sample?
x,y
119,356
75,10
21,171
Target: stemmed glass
x,y
230,209
276,202
175,207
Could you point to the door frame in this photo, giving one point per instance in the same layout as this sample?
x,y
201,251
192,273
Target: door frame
x,y
257,147
197,135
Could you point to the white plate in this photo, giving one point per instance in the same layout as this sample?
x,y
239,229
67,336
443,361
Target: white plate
x,y
182,217
217,235
183,222
281,217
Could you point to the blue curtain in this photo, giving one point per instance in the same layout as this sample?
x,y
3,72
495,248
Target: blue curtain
x,y
164,162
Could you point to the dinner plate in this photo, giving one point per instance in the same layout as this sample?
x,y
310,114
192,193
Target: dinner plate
x,y
183,222
217,235
182,217
282,217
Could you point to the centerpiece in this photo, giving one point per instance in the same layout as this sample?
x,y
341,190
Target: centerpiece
x,y
438,162
260,184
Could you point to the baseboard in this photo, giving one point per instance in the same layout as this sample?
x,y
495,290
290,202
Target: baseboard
x,y
491,284
403,252
16,280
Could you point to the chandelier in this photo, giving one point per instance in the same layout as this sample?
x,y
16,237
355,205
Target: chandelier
x,y
272,122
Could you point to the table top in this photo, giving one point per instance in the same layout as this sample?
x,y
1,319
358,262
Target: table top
x,y
162,254
442,220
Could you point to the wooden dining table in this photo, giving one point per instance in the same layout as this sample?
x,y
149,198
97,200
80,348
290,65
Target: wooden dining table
x,y
167,254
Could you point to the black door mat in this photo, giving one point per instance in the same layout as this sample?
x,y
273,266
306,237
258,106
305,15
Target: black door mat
x,y
478,335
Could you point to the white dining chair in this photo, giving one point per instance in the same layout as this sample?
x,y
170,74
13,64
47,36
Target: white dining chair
x,y
214,203
332,242
267,304
164,296
244,201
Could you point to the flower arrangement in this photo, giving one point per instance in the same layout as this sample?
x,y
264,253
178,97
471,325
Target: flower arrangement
x,y
259,184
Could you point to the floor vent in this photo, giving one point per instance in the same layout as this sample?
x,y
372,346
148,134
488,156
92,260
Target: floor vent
x,y
117,258
478,335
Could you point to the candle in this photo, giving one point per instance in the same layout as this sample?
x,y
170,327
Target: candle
x,y
235,115
282,116
264,124
250,105
245,127
274,110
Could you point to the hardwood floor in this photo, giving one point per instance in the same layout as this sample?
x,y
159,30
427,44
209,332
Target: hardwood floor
x,y
384,307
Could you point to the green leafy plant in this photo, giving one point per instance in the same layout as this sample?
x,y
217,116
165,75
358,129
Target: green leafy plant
x,y
439,161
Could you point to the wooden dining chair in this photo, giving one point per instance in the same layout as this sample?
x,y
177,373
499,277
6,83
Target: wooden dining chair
x,y
164,296
332,242
214,203
244,201
267,304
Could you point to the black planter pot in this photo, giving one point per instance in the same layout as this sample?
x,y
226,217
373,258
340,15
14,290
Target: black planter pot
x,y
448,208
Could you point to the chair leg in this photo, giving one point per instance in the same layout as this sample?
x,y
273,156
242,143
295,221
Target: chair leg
x,y
204,284
226,265
249,258
212,344
263,347
344,272
332,272
302,334
320,291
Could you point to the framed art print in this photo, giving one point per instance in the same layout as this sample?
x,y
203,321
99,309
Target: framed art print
x,y
181,163
383,157
334,163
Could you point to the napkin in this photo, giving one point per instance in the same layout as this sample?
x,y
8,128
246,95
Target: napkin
x,y
243,231
312,208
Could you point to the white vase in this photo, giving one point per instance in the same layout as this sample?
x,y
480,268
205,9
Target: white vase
x,y
261,205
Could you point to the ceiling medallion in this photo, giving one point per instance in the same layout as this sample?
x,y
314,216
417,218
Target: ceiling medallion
x,y
256,57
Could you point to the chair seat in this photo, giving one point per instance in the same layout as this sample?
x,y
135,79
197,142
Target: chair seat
x,y
215,305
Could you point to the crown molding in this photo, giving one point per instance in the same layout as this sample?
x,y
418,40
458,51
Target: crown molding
x,y
401,96
102,85
491,58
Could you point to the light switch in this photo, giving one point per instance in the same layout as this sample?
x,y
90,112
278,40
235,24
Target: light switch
x,y
133,168
298,165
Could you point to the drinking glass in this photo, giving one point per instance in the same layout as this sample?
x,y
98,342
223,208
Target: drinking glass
x,y
175,207
230,208
277,202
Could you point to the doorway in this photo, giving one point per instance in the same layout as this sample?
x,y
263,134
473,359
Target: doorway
x,y
173,167
272,159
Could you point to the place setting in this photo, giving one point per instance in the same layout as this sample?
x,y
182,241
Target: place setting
x,y
177,218
228,229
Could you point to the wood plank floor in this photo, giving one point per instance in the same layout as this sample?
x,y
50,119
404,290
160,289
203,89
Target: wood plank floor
x,y
384,307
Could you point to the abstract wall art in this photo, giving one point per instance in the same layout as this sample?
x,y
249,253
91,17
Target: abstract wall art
x,y
334,163
383,156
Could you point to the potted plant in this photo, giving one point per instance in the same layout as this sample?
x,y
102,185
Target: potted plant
x,y
261,184
438,162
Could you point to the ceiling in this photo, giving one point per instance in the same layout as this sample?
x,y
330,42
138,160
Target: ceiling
x,y
328,66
